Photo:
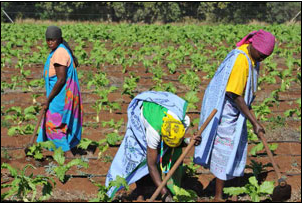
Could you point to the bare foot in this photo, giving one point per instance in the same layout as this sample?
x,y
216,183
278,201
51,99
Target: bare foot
x,y
234,198
218,200
140,198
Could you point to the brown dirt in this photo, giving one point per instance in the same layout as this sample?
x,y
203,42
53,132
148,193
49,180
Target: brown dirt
x,y
81,189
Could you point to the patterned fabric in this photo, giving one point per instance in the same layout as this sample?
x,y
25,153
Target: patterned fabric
x,y
130,159
224,142
261,40
63,121
214,97
172,131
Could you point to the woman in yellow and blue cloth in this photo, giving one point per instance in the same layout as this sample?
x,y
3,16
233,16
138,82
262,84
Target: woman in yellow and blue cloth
x,y
153,142
231,91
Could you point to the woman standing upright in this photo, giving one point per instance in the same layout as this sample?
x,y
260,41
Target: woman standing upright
x,y
63,106
231,91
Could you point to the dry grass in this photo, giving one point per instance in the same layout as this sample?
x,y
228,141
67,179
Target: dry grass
x,y
186,21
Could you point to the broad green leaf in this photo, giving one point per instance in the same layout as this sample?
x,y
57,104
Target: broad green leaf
x,y
48,145
76,162
38,155
84,143
256,149
119,181
267,187
183,195
273,147
254,197
60,172
11,170
234,190
12,131
59,156
29,109
253,181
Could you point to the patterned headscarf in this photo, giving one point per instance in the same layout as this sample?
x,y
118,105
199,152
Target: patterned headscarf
x,y
261,40
172,131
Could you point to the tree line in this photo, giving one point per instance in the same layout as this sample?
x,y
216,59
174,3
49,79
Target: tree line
x,y
151,12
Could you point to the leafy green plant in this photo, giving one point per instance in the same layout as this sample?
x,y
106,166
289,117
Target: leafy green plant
x,y
36,149
23,186
191,168
253,189
113,124
263,110
113,138
19,117
192,98
102,145
277,121
294,111
259,147
37,83
103,101
129,85
102,196
100,80
190,79
172,67
183,195
35,96
5,85
258,167
62,168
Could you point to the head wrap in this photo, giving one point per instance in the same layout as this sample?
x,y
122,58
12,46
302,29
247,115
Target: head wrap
x,y
173,130
53,32
261,40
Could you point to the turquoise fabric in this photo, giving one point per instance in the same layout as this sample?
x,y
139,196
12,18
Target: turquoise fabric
x,y
63,120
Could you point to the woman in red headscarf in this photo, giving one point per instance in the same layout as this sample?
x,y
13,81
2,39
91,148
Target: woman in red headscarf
x,y
231,91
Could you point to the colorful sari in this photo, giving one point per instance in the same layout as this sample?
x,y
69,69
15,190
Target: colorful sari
x,y
63,121
130,160
224,140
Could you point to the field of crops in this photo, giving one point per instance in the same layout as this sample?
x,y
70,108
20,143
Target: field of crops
x,y
116,63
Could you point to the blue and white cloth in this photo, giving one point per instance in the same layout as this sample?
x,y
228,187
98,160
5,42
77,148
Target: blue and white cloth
x,y
130,159
224,140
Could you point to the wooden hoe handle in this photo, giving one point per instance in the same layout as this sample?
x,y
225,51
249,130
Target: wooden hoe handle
x,y
270,155
180,159
42,112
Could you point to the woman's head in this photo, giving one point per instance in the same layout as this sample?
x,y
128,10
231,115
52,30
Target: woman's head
x,y
53,37
256,55
173,130
262,44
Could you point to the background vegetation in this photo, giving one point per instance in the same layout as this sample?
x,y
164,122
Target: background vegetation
x,y
151,12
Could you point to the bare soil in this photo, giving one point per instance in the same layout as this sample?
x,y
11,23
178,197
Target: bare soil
x,y
81,188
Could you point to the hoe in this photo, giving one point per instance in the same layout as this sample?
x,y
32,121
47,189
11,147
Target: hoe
x,y
281,192
178,162
41,115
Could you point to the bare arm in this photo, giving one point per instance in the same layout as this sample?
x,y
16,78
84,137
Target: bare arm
x,y
61,79
152,155
249,114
